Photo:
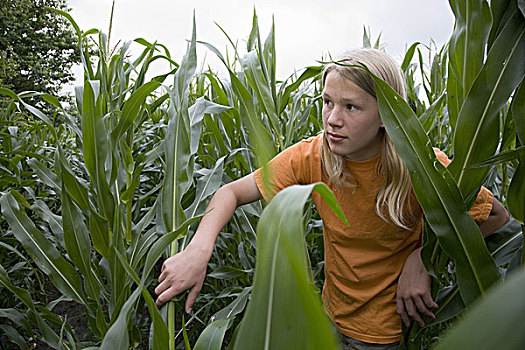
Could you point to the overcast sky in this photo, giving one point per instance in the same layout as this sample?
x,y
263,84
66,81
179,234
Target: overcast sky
x,y
306,30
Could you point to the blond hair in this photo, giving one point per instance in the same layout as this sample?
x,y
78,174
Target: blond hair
x,y
393,197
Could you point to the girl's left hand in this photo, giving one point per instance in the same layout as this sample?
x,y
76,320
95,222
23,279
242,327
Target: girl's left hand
x,y
413,291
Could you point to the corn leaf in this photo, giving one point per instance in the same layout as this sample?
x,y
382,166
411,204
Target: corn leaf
x,y
96,146
502,157
475,139
196,113
467,45
78,245
493,321
284,311
437,193
206,186
516,192
50,337
60,272
212,336
179,166
132,107
255,75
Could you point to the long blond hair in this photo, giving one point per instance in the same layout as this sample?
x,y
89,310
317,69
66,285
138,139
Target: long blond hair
x,y
393,197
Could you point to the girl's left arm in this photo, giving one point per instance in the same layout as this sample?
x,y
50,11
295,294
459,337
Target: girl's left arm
x,y
413,295
498,217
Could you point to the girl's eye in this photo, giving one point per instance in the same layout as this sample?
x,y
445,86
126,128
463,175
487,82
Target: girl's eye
x,y
328,103
350,107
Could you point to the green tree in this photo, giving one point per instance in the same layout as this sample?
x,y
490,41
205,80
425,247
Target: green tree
x,y
37,46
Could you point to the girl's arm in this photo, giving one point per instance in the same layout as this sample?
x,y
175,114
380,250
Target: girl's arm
x,y
413,290
187,269
498,217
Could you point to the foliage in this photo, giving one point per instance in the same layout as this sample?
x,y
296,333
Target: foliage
x,y
37,46
89,205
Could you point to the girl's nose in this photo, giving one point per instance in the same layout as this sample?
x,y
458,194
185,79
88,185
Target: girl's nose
x,y
334,119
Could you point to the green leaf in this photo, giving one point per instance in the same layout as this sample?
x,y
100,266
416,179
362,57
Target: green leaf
x,y
255,76
117,335
408,56
206,186
45,175
260,136
196,113
14,336
160,330
78,245
429,117
518,110
467,44
48,335
212,336
438,195
492,322
477,132
179,166
235,307
61,273
502,157
309,73
227,272
516,193
284,311
132,107
95,146
21,293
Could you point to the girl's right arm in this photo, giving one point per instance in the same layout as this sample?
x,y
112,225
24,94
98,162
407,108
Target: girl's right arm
x,y
187,269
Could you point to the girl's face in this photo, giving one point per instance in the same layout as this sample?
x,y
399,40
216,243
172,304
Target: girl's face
x,y
351,119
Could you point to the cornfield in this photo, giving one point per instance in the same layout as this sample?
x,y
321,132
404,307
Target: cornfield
x,y
96,194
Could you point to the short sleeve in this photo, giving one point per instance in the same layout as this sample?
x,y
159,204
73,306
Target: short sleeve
x,y
297,165
483,204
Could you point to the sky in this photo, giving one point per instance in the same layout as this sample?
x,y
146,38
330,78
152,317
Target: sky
x,y
305,30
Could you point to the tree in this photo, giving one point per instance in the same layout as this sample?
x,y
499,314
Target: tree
x,y
37,46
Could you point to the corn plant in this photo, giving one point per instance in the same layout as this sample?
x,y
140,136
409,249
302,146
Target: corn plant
x,y
95,197
482,75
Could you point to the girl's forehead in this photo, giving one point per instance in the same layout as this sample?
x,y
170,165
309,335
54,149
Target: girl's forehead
x,y
337,85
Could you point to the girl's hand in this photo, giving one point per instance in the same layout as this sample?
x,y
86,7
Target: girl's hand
x,y
183,271
413,291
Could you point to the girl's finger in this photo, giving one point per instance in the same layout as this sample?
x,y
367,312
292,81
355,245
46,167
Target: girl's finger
x,y
162,277
422,307
165,296
429,302
412,311
161,288
401,310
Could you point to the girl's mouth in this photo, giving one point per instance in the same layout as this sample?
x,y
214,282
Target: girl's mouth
x,y
335,137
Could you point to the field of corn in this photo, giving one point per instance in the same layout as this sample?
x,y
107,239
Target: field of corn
x,y
94,195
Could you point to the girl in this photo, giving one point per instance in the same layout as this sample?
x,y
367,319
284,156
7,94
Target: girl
x,y
372,267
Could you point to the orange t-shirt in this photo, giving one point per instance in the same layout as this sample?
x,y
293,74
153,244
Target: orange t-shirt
x,y
363,261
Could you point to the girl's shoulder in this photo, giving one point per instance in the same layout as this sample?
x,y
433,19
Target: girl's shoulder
x,y
309,148
311,140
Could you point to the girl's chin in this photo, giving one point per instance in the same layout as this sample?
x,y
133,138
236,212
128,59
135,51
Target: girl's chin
x,y
339,150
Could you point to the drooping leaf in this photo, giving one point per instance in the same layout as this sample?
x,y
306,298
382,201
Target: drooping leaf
x,y
438,195
284,311
61,273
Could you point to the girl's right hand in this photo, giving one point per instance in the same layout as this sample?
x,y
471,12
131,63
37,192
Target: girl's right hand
x,y
183,271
